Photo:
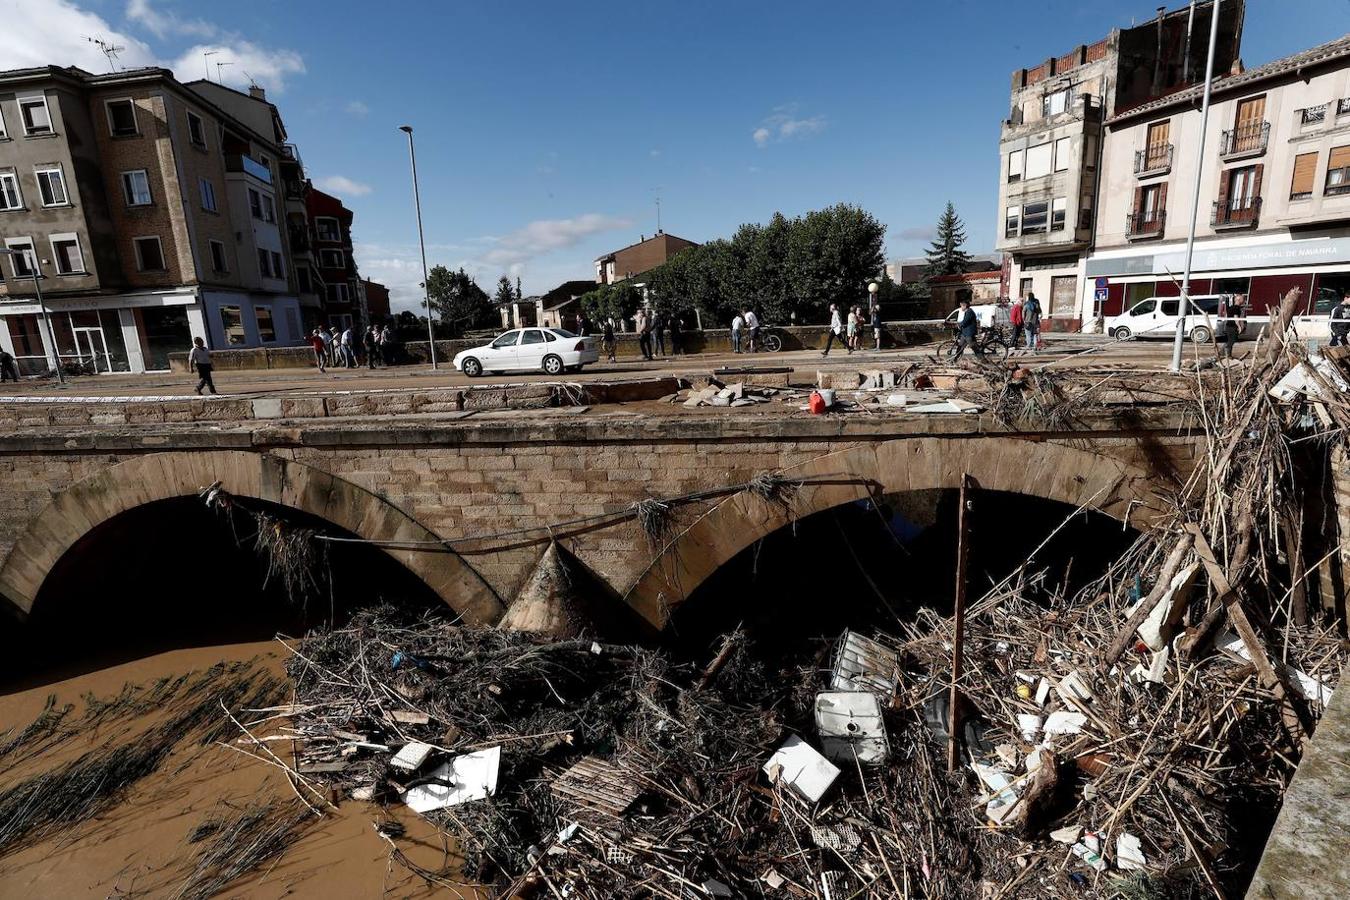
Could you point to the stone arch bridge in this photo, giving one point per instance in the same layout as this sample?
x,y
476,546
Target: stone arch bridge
x,y
469,504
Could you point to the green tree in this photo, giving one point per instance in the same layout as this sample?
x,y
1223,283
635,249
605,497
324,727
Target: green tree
x,y
832,254
945,256
458,300
619,301
505,293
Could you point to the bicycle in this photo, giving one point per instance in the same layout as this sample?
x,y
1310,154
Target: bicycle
x,y
770,341
988,342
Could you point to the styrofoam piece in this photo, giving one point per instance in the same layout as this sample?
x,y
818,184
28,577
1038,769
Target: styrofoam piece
x,y
411,756
1064,722
799,766
470,776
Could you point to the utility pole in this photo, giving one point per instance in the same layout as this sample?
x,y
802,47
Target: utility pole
x,y
1185,299
421,240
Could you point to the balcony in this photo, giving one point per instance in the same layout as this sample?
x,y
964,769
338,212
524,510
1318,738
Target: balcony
x,y
1155,160
1243,212
1142,225
299,239
249,166
1245,140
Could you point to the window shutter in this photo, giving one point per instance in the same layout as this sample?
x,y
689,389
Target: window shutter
x,y
1305,167
1225,179
1340,157
1138,202
1162,201
1256,182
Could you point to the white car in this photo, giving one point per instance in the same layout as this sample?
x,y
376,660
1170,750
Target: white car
x,y
550,350
1157,317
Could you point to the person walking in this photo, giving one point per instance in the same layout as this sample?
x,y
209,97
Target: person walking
x,y
348,350
643,324
1231,316
1340,322
1015,317
199,361
836,331
8,370
752,328
371,344
316,342
967,328
659,329
607,338
327,338
676,336
1031,321
387,345
876,325
737,324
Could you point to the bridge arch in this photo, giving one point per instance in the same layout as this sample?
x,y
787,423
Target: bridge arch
x,y
82,506
1048,469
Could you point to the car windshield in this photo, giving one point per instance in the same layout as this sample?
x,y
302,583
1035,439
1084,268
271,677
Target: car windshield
x,y
506,340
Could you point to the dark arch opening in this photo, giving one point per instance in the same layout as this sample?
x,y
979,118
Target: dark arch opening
x,y
173,574
871,565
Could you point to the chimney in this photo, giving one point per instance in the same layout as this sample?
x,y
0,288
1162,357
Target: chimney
x,y
257,93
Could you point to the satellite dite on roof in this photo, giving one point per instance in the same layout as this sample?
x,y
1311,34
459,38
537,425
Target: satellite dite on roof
x,y
862,664
851,727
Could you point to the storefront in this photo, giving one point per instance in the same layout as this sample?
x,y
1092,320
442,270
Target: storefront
x,y
1263,269
237,320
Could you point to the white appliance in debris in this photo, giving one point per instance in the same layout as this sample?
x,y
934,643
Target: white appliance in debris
x,y
851,728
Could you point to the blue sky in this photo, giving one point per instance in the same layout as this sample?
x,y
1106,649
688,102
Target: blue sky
x,y
546,130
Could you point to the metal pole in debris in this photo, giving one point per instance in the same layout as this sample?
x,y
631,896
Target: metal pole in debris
x,y
1184,300
958,624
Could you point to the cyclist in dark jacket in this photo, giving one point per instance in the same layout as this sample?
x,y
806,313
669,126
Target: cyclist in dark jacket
x,y
967,327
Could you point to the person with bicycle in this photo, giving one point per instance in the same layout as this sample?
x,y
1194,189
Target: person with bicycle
x,y
752,327
967,330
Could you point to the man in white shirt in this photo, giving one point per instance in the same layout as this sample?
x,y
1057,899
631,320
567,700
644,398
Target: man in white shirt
x,y
199,361
737,324
348,355
752,326
836,331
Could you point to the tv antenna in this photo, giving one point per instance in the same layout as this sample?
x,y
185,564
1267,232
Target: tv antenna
x,y
110,51
206,62
657,191
219,66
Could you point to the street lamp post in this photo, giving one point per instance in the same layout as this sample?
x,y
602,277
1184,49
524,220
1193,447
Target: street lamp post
x,y
421,240
36,266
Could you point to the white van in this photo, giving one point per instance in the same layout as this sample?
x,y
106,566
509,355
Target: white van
x,y
1157,317
984,314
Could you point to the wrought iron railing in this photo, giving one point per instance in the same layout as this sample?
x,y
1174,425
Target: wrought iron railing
x,y
1147,223
1154,159
1235,212
1250,138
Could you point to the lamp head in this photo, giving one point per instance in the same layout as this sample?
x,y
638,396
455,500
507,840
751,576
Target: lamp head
x,y
407,129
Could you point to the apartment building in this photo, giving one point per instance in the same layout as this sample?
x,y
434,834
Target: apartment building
x,y
128,195
330,228
1274,201
1050,149
635,259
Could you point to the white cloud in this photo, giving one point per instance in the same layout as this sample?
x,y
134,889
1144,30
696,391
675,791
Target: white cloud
x,y
343,186
56,32
918,233
357,108
268,67
784,124
163,24
547,235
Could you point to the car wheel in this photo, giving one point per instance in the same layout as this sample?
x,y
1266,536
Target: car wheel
x,y
553,365
1121,334
1201,335
471,367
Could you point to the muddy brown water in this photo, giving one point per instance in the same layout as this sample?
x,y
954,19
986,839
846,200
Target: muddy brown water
x,y
140,847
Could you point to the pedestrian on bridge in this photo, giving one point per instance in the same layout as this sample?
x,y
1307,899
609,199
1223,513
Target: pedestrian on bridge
x,y
371,344
659,329
967,328
1231,316
607,338
8,370
643,324
1015,317
676,336
752,326
836,331
199,361
320,349
876,324
737,325
1031,320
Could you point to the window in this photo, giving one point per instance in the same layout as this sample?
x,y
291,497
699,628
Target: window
x,y
52,187
327,229
1015,165
1013,222
232,324
1034,218
149,254
1338,171
1062,154
264,263
218,256
1038,160
1056,103
1241,187
302,279
277,270
1342,108
1063,295
1024,288
208,195
37,119
267,333
1058,212
332,259
506,340
1089,151
10,198
1305,168
269,209
3,133
23,257
531,336
255,203
1313,115
1156,146
196,130
337,293
136,187
66,254
121,118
